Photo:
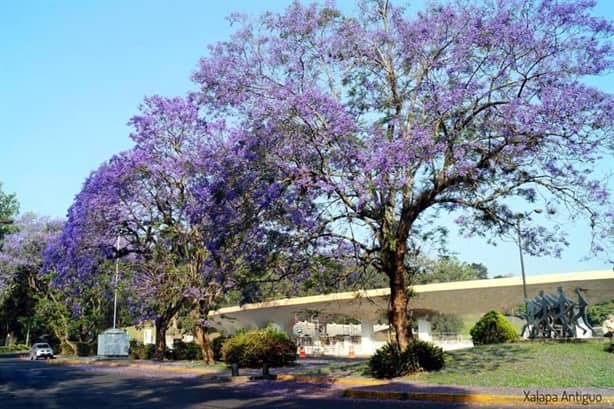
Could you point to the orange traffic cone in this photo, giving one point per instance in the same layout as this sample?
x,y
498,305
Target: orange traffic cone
x,y
301,352
351,353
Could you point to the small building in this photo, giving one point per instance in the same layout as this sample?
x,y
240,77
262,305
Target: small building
x,y
146,333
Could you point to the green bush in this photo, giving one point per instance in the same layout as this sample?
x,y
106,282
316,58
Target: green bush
x,y
389,362
216,345
140,351
136,349
430,357
493,328
86,349
609,348
252,349
187,351
597,313
14,348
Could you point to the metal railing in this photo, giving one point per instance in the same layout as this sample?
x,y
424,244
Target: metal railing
x,y
449,337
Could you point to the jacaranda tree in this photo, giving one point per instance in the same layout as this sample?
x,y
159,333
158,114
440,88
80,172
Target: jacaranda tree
x,y
466,110
142,196
255,227
196,211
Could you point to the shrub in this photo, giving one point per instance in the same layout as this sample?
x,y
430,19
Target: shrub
x,y
232,350
597,313
86,348
149,351
14,348
136,349
252,349
430,357
389,362
493,328
609,348
216,345
140,351
187,351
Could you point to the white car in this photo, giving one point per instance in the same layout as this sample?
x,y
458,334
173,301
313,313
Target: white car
x,y
41,350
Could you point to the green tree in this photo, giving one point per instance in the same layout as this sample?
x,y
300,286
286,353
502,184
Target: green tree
x,y
9,208
21,262
447,269
74,321
480,269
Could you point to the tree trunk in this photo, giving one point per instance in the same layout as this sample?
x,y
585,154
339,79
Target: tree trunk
x,y
398,316
200,314
68,347
161,327
205,345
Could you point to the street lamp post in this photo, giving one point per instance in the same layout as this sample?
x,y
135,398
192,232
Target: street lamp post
x,y
524,279
114,342
519,242
116,282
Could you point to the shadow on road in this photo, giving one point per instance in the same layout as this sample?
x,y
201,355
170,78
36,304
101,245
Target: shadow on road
x,y
25,384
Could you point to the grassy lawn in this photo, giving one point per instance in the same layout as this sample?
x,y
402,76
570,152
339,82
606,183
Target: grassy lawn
x,y
539,364
356,368
217,366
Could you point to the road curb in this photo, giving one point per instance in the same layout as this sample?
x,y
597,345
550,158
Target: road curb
x,y
329,379
477,398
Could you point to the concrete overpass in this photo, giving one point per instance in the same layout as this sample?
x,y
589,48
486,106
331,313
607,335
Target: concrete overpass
x,y
370,306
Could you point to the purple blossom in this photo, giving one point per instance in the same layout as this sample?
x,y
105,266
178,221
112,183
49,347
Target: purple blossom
x,y
386,118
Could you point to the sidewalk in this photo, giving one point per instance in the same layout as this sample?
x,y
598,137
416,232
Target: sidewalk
x,y
359,387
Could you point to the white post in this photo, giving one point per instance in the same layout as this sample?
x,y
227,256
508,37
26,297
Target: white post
x,y
424,330
367,346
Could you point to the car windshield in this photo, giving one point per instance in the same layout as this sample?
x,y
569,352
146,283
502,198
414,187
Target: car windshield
x,y
41,346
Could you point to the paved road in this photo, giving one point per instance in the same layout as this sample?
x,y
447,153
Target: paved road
x,y
30,385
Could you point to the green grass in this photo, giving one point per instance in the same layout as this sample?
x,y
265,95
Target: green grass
x,y
357,368
218,366
528,364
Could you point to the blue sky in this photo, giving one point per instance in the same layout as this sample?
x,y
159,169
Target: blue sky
x,y
73,72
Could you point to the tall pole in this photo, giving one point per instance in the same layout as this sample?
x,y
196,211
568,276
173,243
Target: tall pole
x,y
524,280
116,282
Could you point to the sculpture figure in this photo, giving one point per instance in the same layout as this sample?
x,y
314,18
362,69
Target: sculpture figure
x,y
556,315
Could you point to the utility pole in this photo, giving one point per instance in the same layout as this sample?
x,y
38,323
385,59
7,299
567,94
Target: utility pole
x,y
116,282
519,238
524,280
